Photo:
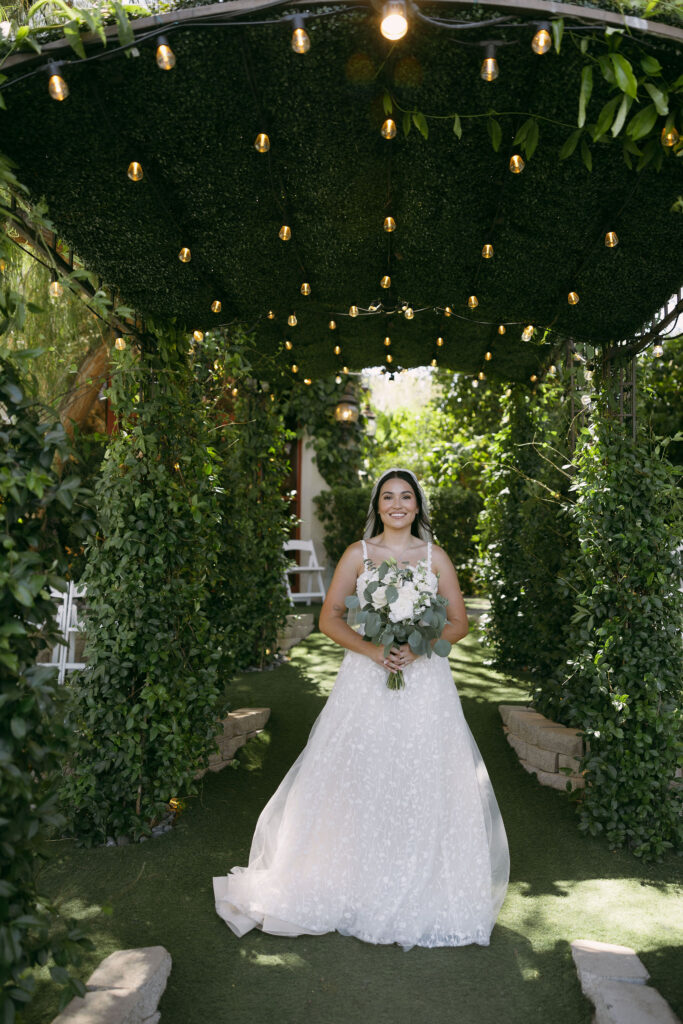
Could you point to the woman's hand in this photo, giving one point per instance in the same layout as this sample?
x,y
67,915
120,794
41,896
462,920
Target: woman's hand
x,y
397,659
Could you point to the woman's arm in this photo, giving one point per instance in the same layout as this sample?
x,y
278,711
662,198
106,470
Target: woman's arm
x,y
333,610
457,625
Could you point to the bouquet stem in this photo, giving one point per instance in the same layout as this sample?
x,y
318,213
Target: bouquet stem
x,y
395,681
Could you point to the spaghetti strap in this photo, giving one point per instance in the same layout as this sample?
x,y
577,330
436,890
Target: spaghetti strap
x,y
429,555
365,551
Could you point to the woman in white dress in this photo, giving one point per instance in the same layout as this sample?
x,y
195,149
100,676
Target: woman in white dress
x,y
386,826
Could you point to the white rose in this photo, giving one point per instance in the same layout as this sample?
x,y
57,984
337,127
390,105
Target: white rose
x,y
402,608
379,598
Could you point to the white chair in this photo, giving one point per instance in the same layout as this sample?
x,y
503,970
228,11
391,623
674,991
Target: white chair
x,y
310,573
63,654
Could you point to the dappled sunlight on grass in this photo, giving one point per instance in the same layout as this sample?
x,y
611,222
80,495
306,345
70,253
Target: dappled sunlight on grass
x,y
289,961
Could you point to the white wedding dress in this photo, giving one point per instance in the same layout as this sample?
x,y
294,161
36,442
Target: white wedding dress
x,y
386,827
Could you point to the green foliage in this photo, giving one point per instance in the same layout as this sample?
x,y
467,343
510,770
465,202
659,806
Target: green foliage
x,y
454,512
621,684
525,538
38,508
342,512
660,386
145,710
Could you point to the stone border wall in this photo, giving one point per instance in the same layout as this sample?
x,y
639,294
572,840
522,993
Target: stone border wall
x,y
544,748
240,725
124,989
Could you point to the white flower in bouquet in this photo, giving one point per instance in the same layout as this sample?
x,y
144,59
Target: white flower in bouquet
x,y
379,598
403,607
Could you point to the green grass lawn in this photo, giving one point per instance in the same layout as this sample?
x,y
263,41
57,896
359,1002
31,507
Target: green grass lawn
x,y
563,886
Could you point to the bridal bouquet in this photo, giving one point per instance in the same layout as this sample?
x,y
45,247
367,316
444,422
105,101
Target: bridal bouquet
x,y
400,607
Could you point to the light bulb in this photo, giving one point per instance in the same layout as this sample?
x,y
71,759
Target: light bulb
x,y
262,143
533,378
184,255
217,365
516,164
409,314
345,370
389,224
388,129
669,136
295,368
55,289
235,392
475,383
135,171
481,375
385,282
176,466
288,345
3,266
572,298
216,306
285,233
611,239
120,344
305,288
489,67
501,328
307,380
448,311
56,86
658,351
439,342
473,302
387,342
542,41
394,23
528,332
300,40
271,314
488,356
487,252
337,350
332,325
337,379
165,55
433,362
353,310
552,370
389,357
291,320
198,335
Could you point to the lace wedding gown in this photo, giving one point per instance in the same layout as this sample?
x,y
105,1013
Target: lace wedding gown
x,y
386,827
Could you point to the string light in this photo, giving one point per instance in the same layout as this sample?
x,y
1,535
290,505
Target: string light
x,y
573,298
669,135
235,392
533,378
385,282
295,368
658,351
501,328
262,143
542,40
120,344
389,224
184,255
611,239
307,380
475,383
288,345
448,311
439,342
291,320
488,356
388,129
389,357
3,266
433,362
337,379
473,302
508,392
176,466
516,164
56,86
285,233
55,289
387,342
353,310
300,39
135,171
216,306
165,55
409,314
198,335
271,314
345,370
394,23
337,350
489,67
528,333
332,325
481,375
552,370
305,288
487,252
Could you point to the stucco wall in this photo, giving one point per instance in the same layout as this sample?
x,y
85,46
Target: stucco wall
x,y
310,484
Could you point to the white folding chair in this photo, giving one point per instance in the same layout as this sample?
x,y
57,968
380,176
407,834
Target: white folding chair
x,y
64,654
310,572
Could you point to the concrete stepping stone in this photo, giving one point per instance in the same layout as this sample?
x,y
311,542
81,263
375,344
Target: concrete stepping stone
x,y
124,989
614,979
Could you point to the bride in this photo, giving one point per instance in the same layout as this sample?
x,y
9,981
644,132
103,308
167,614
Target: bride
x,y
386,826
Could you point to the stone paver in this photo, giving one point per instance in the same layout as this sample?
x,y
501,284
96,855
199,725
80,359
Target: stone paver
x,y
614,979
124,989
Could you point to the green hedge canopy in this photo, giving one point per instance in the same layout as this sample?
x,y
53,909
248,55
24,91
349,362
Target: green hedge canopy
x,y
332,178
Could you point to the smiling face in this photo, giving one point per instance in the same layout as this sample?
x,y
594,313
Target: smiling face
x,y
397,504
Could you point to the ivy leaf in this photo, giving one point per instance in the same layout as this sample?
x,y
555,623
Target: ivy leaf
x,y
495,133
586,154
606,116
583,45
557,28
585,94
420,122
659,98
570,144
623,73
123,25
623,110
457,127
387,102
643,122
73,37
532,137
652,149
406,123
651,65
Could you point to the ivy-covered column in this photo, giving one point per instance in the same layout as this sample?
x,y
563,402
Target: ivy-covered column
x,y
622,683
147,706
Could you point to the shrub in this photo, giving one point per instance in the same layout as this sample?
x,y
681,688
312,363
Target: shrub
x,y
342,512
454,511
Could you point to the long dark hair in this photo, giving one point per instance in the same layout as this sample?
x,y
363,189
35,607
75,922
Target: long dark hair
x,y
420,526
